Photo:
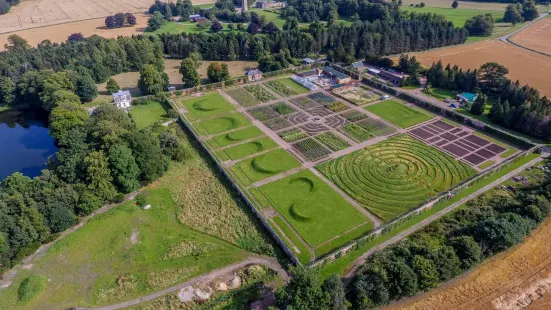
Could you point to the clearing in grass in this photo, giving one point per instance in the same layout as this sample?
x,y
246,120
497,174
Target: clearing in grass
x,y
235,136
148,114
207,105
381,176
311,206
397,113
266,165
249,148
224,123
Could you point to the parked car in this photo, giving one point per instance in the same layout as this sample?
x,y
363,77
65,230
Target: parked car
x,y
385,97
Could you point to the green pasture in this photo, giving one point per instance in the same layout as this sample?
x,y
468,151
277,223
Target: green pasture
x,y
235,136
398,113
395,175
266,165
457,16
294,85
311,207
304,256
207,105
249,148
224,123
148,114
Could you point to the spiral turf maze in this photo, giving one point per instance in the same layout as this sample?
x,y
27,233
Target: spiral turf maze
x,y
395,175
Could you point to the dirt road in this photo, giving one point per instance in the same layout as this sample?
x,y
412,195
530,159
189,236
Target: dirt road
x,y
268,262
361,260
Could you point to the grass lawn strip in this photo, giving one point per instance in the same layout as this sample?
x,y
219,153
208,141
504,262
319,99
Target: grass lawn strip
x,y
224,123
380,175
249,148
267,165
486,164
235,136
311,206
243,97
304,256
299,89
341,264
148,114
397,113
208,105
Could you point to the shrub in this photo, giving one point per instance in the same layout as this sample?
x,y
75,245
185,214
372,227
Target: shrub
x,y
31,288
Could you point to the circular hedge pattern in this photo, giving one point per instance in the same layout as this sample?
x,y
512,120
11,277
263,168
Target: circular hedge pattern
x,y
395,175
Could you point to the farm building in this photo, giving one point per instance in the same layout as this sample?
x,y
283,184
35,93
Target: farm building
x,y
271,4
122,99
254,75
466,97
336,76
394,77
358,66
308,61
373,71
194,17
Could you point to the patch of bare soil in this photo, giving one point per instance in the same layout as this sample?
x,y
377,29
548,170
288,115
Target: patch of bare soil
x,y
517,279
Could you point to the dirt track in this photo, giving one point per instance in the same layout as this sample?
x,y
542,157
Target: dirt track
x,y
512,280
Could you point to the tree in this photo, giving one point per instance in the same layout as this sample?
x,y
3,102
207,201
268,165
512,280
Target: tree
x,y
480,25
291,23
240,26
148,154
513,14
468,251
131,19
337,295
86,88
120,20
332,17
65,117
16,43
529,10
501,233
253,28
216,26
492,77
218,72
60,218
151,81
55,82
75,37
7,90
370,290
422,4
112,86
455,4
231,26
124,168
98,175
155,22
426,272
189,73
270,28
110,22
479,105
304,290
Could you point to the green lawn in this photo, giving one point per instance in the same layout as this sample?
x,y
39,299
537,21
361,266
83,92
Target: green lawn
x,y
102,263
207,105
188,27
235,136
398,113
457,16
148,114
395,175
224,123
343,263
294,85
311,207
249,148
266,165
304,256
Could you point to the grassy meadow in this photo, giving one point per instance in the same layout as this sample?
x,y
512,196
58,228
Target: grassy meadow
x,y
398,113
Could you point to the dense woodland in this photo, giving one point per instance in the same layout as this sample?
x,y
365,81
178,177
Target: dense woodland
x,y
5,5
517,107
450,246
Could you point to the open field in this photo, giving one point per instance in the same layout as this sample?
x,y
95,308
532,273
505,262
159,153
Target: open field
x,y
492,6
528,67
266,165
193,219
148,114
536,37
311,206
398,113
381,175
235,136
207,105
236,68
249,148
224,123
457,16
59,33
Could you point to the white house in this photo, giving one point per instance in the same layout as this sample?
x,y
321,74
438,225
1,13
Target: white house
x,y
254,75
122,99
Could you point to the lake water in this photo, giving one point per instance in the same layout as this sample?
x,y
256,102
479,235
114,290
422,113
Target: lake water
x,y
25,144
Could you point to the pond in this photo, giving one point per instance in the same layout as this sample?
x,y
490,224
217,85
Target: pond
x,y
25,144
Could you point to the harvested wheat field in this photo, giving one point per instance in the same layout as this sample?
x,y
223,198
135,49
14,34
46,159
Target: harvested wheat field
x,y
511,280
59,33
536,37
528,67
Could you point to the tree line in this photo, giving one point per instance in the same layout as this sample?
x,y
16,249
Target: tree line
x,y
5,5
450,246
518,107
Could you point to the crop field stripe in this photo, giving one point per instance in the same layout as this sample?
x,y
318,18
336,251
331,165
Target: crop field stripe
x,y
380,176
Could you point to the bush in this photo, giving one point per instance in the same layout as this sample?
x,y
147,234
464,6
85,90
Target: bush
x,y
31,288
142,199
